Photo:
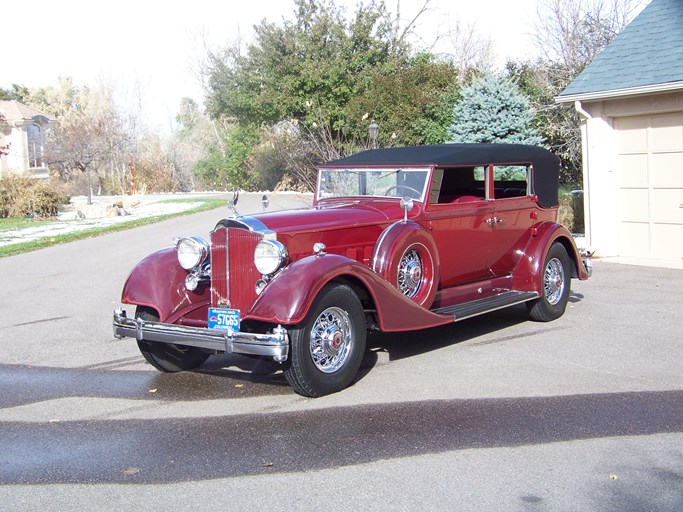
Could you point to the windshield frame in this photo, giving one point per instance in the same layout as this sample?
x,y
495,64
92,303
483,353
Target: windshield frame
x,y
377,174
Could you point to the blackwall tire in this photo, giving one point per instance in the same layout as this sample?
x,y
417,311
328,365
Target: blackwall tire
x,y
167,357
555,279
327,348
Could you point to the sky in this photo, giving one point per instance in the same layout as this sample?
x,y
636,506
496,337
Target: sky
x,y
148,50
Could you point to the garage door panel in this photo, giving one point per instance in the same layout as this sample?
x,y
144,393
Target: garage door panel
x,y
665,205
634,239
667,132
632,134
634,204
631,173
667,241
667,170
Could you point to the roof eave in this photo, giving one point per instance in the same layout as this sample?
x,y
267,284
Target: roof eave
x,y
621,93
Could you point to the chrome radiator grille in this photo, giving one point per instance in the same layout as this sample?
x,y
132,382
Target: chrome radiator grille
x,y
233,273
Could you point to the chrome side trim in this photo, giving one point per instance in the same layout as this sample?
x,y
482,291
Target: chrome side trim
x,y
275,345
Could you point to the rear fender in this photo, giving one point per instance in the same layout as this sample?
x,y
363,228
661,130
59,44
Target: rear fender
x,y
526,275
288,297
158,282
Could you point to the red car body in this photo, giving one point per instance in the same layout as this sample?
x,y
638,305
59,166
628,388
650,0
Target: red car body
x,y
402,238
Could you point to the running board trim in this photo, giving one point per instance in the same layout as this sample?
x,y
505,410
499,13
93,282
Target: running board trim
x,y
486,305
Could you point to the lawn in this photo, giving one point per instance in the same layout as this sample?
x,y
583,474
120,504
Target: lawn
x,y
12,224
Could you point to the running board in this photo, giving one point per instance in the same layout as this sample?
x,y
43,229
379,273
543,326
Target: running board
x,y
486,305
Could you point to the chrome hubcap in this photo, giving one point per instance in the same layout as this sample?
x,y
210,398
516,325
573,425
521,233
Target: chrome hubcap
x,y
410,272
331,340
553,281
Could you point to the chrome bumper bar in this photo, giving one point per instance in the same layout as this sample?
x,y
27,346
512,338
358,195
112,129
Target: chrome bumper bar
x,y
587,262
275,345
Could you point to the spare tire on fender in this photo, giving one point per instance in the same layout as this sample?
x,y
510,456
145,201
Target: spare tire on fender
x,y
406,256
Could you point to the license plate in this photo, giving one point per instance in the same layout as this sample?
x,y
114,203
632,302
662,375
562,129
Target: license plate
x,y
224,319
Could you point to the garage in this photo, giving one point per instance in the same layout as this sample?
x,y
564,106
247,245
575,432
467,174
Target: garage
x,y
630,101
649,179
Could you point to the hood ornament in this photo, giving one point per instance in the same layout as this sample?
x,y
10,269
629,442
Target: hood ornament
x,y
232,203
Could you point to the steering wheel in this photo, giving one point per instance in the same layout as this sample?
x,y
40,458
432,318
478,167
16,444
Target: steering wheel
x,y
398,187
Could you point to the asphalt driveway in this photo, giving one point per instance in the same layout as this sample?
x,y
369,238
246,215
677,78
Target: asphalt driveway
x,y
494,413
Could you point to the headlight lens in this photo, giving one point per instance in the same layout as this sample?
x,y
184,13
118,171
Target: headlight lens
x,y
269,256
191,252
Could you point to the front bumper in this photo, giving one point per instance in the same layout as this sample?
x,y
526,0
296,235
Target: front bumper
x,y
275,345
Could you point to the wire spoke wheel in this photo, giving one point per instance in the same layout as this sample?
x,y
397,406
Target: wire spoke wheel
x,y
410,273
554,286
331,340
328,346
553,281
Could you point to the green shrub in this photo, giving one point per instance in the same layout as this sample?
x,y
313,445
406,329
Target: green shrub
x,y
21,196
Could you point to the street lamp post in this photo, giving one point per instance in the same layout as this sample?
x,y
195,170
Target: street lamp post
x,y
374,132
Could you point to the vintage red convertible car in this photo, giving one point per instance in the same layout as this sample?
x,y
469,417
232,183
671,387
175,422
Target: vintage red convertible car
x,y
396,239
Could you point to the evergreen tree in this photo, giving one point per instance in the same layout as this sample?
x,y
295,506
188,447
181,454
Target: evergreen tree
x,y
492,109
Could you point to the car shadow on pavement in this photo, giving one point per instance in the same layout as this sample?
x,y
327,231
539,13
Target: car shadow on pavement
x,y
481,329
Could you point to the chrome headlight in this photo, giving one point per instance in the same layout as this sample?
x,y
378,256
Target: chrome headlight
x,y
269,256
192,251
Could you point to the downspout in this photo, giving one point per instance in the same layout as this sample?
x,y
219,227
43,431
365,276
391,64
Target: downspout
x,y
586,175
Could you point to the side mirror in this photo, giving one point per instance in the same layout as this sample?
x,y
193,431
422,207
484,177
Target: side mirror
x,y
407,205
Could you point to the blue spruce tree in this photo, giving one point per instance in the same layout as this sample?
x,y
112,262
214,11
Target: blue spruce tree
x,y
492,109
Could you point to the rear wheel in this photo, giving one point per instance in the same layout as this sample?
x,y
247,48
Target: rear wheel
x,y
555,282
328,347
167,357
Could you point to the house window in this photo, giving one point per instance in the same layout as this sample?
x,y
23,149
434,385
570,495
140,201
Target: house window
x,y
35,146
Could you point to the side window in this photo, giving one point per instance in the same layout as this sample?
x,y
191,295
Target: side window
x,y
511,181
35,146
459,185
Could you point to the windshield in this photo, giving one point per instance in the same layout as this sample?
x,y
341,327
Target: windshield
x,y
387,182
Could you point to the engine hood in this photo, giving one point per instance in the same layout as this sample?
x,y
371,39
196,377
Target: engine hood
x,y
329,217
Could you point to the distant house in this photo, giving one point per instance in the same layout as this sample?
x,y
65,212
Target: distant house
x,y
631,101
23,129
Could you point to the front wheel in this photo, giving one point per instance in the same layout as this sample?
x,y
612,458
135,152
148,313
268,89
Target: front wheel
x,y
167,357
555,281
327,348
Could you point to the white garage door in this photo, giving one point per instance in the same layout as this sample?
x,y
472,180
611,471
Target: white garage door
x,y
650,185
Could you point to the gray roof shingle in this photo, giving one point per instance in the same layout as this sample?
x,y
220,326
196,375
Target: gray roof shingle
x,y
15,111
649,51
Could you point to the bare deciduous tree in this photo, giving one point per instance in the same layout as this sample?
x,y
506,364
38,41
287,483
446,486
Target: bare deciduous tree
x,y
569,35
573,32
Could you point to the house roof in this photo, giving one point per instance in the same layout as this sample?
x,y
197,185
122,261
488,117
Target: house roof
x,y
546,165
15,111
646,57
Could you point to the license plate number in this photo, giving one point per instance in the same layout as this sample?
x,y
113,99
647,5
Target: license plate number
x,y
224,319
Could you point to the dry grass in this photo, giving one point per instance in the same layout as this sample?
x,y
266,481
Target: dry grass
x,y
23,197
571,212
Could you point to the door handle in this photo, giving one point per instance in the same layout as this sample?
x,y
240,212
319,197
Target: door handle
x,y
494,220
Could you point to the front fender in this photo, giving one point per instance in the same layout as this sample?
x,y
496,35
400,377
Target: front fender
x,y
158,282
526,275
392,244
288,297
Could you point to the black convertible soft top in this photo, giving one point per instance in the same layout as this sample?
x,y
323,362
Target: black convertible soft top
x,y
546,165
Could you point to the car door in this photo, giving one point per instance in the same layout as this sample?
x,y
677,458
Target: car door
x,y
513,217
457,217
